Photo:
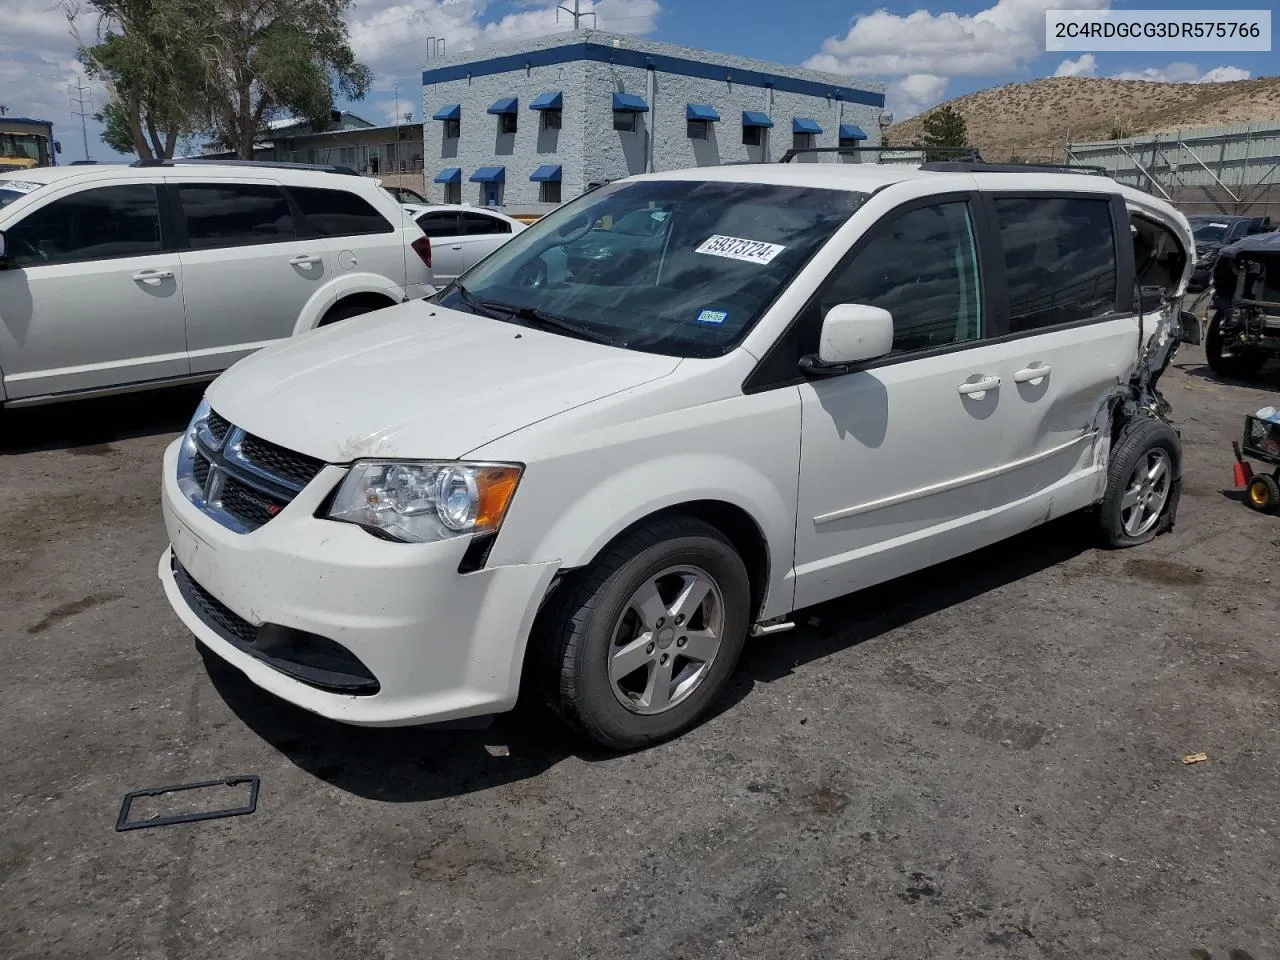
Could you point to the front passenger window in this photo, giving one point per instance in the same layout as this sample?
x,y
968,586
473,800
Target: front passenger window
x,y
922,267
102,224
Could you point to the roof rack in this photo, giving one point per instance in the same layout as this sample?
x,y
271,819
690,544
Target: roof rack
x,y
961,153
981,166
288,165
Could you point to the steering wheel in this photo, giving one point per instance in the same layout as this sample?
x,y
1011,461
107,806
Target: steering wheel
x,y
532,274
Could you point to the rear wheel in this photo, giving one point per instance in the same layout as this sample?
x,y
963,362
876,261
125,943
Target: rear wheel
x,y
1263,493
638,646
1225,359
1143,483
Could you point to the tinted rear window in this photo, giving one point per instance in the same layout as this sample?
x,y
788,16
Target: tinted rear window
x,y
338,213
1060,256
235,215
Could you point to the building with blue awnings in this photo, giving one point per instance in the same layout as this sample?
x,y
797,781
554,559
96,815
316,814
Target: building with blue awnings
x,y
558,114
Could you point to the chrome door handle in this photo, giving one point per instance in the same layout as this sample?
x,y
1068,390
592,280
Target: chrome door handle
x,y
977,389
1032,374
304,260
146,275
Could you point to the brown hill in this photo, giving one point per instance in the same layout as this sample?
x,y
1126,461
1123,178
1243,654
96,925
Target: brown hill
x,y
1034,120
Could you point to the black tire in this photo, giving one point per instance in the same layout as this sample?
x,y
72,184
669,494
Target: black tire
x,y
345,310
1137,439
1234,366
574,635
1263,493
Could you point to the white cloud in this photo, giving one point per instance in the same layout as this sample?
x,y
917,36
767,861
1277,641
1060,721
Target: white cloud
x,y
1183,73
1086,65
1000,38
1224,75
914,93
389,36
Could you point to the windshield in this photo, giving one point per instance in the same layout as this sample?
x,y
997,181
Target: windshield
x,y
1210,232
11,190
24,145
679,267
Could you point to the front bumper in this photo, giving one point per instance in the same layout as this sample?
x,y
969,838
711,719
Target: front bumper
x,y
440,645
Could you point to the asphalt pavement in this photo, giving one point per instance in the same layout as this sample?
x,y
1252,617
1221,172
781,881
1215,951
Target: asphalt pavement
x,y
981,760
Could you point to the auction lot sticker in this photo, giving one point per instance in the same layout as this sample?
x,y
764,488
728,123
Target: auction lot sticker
x,y
736,248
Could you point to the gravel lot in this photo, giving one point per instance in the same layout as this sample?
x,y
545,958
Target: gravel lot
x,y
980,761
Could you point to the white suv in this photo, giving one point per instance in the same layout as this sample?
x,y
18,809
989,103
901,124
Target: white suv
x,y
606,471
125,277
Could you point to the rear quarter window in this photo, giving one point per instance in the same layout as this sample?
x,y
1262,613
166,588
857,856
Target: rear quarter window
x,y
338,213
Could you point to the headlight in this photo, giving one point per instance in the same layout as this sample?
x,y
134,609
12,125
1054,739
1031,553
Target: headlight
x,y
418,501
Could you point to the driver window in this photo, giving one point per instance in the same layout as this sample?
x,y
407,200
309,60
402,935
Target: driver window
x,y
101,224
922,267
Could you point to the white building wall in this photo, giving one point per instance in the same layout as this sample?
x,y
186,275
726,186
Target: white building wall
x,y
587,148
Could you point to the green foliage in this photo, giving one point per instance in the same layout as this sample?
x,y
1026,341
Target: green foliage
x,y
943,127
221,67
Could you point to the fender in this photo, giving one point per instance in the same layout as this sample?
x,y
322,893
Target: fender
x,y
577,535
341,287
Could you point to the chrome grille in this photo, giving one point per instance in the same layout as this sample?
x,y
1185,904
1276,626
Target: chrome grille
x,y
240,480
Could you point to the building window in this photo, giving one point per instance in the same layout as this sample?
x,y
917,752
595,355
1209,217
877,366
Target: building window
x,y
491,194
453,129
550,119
699,129
801,141
753,136
624,120
549,191
453,193
507,122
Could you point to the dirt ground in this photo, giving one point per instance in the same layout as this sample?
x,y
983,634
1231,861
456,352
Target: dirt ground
x,y
982,760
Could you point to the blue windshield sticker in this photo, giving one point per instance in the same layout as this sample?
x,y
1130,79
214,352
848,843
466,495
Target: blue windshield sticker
x,y
713,316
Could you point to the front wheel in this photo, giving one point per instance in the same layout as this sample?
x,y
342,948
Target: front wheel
x,y
1225,359
638,646
1143,483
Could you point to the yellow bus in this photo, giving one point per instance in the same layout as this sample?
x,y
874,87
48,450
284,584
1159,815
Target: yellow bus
x,y
26,143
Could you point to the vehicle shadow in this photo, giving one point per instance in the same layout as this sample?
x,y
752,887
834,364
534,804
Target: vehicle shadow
x,y
91,423
1264,379
411,764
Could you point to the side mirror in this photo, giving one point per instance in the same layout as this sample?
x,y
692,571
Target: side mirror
x,y
851,333
3,249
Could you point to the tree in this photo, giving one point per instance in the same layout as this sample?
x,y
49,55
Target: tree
x,y
145,56
221,67
943,127
266,58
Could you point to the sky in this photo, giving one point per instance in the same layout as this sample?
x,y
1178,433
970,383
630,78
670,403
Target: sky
x,y
925,51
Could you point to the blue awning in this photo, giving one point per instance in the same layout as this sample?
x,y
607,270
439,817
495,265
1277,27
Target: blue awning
x,y
489,175
851,131
506,105
750,118
449,175
547,172
547,101
804,125
451,112
700,111
629,101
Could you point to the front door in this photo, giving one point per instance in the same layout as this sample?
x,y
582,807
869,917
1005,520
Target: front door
x,y
91,295
897,458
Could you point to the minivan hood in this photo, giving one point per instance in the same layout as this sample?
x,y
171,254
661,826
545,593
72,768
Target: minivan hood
x,y
419,381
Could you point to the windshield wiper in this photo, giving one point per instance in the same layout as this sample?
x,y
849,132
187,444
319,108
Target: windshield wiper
x,y
549,321
476,306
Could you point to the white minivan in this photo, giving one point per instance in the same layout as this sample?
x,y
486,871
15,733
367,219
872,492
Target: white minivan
x,y
603,459
116,278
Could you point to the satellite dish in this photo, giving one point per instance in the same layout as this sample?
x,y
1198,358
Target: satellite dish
x,y
886,118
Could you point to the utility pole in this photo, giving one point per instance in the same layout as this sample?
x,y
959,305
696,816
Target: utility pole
x,y
576,13
85,105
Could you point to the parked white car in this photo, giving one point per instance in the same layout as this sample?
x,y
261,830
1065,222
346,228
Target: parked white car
x,y
821,377
461,236
117,278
